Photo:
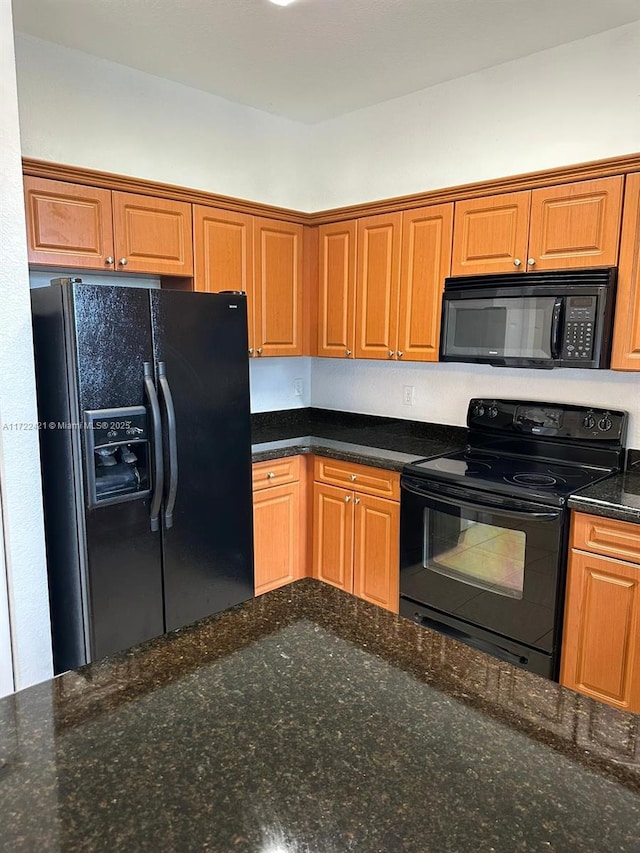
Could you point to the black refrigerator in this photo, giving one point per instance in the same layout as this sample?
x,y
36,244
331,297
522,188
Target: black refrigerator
x,y
143,401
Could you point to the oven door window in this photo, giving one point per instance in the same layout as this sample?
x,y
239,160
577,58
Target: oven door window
x,y
486,556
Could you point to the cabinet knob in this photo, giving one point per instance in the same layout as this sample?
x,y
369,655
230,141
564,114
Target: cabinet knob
x,y
259,350
357,501
347,498
516,262
123,262
347,352
270,475
399,353
250,351
109,260
353,477
390,353
532,262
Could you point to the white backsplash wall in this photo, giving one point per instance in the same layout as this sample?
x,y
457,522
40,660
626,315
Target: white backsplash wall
x,y
273,382
442,391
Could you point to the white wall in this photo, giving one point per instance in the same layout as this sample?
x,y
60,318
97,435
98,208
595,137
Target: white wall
x,y
272,383
77,109
24,567
572,103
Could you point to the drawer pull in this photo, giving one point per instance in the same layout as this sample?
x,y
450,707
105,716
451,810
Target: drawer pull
x,y
270,475
353,477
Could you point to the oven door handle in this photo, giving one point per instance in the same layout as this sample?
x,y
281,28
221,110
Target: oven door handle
x,y
487,504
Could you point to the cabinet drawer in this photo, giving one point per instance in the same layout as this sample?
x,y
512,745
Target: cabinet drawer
x,y
361,478
606,536
274,472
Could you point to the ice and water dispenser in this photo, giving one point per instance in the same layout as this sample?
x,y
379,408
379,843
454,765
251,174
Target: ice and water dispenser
x,y
118,455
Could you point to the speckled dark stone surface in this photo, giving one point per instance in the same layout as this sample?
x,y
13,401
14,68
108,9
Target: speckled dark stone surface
x,y
368,440
616,497
308,721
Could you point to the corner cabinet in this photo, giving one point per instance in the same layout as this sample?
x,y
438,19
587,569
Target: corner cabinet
x,y
559,227
601,642
626,333
356,523
279,522
70,225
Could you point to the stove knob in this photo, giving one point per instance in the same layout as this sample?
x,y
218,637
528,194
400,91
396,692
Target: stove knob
x,y
589,421
605,423
478,410
493,412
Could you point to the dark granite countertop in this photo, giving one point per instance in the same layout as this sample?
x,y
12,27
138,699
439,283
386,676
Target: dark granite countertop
x,y
366,439
309,721
616,497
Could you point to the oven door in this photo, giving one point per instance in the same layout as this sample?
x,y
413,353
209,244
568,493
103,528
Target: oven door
x,y
489,561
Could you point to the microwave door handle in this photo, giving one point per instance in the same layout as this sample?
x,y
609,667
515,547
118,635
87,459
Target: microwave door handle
x,y
486,505
556,318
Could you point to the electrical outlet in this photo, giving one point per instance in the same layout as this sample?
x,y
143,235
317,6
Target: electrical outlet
x,y
298,385
409,395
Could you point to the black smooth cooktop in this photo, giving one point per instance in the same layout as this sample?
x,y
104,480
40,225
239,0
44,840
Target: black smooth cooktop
x,y
535,479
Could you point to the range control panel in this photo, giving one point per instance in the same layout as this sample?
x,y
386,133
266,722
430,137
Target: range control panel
x,y
511,417
579,326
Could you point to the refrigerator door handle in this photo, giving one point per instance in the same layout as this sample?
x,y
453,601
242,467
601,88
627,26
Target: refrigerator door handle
x,y
158,479
173,444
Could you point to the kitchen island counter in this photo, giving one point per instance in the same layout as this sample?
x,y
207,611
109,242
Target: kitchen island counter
x,y
307,720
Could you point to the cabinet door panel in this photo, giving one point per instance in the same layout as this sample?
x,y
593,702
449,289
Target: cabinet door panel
x,y
626,333
576,225
601,645
490,234
336,296
153,235
278,549
378,278
278,287
333,536
426,261
68,224
376,549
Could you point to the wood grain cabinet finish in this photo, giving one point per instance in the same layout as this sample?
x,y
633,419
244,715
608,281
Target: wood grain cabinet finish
x,y
377,285
279,523
626,333
425,263
336,289
601,642
278,288
90,228
364,478
68,224
356,535
559,227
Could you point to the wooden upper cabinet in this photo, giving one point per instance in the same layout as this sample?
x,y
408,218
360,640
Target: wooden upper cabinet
x,y
376,551
278,287
152,235
490,234
377,283
426,262
68,225
336,290
575,225
626,332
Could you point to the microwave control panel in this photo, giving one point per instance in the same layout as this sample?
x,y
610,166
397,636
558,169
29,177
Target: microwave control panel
x,y
579,327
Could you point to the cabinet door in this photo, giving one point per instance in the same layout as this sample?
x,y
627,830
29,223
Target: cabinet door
x,y
152,235
68,225
223,254
278,554
376,551
626,333
426,261
377,282
601,644
336,292
490,234
575,225
333,536
278,287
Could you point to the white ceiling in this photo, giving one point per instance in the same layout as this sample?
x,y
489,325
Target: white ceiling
x,y
316,59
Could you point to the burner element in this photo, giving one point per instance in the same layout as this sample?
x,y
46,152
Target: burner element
x,y
534,479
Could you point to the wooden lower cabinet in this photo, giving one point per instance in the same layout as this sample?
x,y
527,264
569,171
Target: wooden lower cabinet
x,y
356,543
601,644
279,524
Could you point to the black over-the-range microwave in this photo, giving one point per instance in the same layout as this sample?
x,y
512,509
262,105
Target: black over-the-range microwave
x,y
550,319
